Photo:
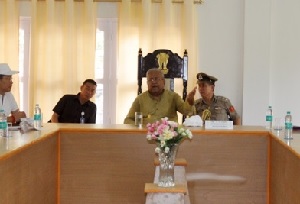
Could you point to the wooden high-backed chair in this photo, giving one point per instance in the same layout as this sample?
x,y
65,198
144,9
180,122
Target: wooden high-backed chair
x,y
172,65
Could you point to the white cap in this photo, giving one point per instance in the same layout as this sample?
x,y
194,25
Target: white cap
x,y
5,70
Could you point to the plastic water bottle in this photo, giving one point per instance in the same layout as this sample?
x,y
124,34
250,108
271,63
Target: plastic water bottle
x,y
288,134
3,124
82,120
269,118
37,119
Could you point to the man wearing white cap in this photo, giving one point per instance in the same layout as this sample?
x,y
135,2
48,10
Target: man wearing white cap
x,y
7,100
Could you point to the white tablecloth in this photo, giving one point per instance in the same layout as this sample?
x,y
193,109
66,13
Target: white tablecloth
x,y
170,198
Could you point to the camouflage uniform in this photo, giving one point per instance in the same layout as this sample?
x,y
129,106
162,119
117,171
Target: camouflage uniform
x,y
221,108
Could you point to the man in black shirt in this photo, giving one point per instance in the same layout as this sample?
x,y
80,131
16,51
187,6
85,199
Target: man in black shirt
x,y
77,108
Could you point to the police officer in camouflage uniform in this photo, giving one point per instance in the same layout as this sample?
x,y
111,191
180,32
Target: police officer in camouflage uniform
x,y
210,106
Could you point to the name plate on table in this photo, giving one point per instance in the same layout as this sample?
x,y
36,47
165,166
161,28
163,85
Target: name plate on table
x,y
217,125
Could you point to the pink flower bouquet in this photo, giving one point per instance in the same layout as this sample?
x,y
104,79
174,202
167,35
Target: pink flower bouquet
x,y
166,134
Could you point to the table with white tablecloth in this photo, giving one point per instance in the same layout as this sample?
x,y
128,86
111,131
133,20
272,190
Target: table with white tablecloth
x,y
168,195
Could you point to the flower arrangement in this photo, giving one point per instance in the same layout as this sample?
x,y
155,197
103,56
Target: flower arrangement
x,y
166,134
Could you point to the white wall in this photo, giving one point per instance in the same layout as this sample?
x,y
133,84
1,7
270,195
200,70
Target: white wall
x,y
253,48
221,25
285,58
256,86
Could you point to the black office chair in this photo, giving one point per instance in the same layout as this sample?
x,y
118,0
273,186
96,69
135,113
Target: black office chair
x,y
172,65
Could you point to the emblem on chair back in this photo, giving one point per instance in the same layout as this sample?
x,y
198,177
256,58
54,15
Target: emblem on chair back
x,y
162,60
172,65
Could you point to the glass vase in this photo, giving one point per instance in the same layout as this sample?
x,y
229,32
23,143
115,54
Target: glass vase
x,y
166,167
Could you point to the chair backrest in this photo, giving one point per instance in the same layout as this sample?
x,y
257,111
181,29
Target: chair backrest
x,y
172,65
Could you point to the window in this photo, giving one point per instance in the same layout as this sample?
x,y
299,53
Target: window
x,y
105,70
24,45
105,67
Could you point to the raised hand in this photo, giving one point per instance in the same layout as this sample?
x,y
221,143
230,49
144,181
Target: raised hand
x,y
190,96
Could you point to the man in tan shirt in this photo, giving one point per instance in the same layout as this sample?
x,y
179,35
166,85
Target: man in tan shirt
x,y
156,102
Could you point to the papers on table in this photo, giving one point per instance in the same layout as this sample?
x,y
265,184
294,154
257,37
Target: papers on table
x,y
13,128
193,121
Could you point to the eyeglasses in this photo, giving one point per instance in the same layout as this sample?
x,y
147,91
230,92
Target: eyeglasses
x,y
155,79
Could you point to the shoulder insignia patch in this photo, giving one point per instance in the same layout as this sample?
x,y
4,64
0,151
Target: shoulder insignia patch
x,y
231,109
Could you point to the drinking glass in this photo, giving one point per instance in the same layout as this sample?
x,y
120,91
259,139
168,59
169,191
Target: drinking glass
x,y
138,119
278,124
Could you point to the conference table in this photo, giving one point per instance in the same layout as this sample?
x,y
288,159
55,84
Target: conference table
x,y
82,163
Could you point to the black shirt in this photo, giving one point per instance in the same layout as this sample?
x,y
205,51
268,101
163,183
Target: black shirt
x,y
69,110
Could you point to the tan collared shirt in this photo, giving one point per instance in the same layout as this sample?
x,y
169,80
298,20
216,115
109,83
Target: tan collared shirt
x,y
154,109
